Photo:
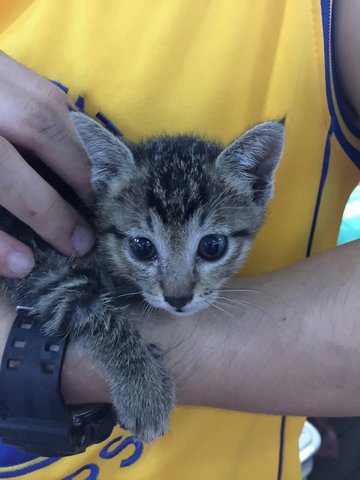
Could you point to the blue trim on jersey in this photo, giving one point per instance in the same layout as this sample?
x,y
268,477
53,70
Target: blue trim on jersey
x,y
108,124
11,456
281,447
60,85
324,172
28,469
330,74
80,103
353,153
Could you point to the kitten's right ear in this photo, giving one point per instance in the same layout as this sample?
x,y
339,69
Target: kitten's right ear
x,y
109,156
251,160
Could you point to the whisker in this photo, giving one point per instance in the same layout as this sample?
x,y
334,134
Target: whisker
x,y
72,257
65,337
239,290
214,304
243,303
147,310
127,294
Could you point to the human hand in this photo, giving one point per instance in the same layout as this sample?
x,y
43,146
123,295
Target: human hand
x,y
34,115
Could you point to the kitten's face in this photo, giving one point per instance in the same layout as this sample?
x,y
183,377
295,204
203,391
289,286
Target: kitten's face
x,y
179,214
180,259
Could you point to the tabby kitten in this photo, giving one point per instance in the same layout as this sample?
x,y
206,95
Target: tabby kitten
x,y
175,217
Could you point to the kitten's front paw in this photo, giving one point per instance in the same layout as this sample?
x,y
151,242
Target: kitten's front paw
x,y
145,403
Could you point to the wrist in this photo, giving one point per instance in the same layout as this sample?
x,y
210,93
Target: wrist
x,y
80,381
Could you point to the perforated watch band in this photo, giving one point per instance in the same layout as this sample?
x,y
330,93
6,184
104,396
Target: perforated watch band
x,y
33,414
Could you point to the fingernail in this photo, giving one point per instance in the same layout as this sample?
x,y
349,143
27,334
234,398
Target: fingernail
x,y
19,263
82,239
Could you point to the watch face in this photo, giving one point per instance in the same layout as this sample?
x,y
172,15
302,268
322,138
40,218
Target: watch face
x,y
82,412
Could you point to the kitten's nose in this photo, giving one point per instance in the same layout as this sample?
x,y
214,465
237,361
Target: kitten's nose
x,y
178,302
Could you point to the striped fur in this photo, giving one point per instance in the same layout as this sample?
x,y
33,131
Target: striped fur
x,y
174,191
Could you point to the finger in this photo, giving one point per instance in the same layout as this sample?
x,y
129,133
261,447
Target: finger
x,y
16,259
45,128
18,74
27,196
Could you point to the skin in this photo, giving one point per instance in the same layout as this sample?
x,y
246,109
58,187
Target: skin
x,y
41,109
291,355
347,47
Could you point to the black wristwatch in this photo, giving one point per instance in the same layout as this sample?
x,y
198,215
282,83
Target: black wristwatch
x,y
33,414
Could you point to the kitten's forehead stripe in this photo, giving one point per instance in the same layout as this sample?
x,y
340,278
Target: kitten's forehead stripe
x,y
179,178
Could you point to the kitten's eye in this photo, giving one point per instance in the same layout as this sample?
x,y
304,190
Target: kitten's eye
x,y
212,247
142,248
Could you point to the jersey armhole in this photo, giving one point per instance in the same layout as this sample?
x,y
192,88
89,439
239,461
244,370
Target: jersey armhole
x,y
347,134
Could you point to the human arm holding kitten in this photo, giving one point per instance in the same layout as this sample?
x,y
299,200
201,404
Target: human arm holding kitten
x,y
296,355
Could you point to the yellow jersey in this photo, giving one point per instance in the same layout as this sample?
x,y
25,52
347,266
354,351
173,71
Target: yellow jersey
x,y
215,68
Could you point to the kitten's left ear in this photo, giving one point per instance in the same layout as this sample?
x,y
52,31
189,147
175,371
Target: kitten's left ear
x,y
109,156
252,159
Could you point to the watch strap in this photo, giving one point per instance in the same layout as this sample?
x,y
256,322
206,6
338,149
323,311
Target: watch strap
x,y
33,414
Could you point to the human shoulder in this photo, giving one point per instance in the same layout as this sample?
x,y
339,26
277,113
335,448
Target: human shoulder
x,y
347,53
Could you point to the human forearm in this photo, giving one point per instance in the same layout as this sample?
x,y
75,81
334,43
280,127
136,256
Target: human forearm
x,y
295,351
291,348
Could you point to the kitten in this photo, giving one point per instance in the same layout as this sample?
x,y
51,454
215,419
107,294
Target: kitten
x,y
175,217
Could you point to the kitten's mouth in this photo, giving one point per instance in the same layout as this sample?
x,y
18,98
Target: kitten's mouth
x,y
190,309
179,312
195,305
